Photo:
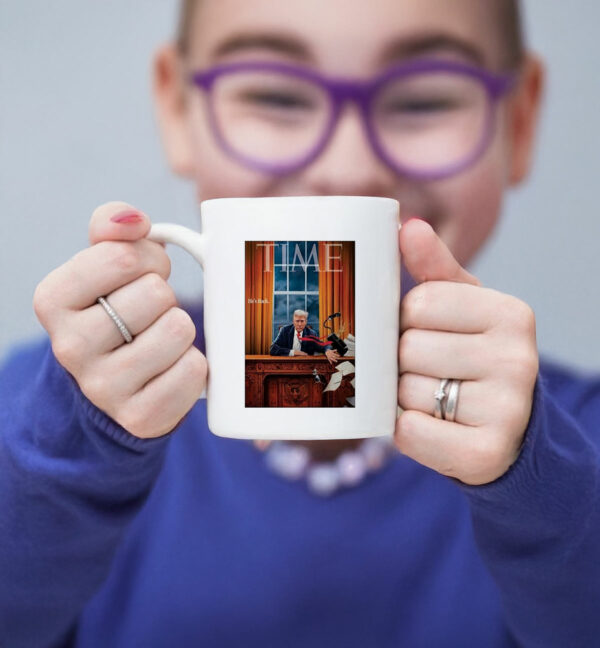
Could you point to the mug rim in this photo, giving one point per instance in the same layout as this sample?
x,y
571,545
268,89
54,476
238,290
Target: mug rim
x,y
311,198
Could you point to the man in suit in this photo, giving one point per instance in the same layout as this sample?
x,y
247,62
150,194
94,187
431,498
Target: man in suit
x,y
294,340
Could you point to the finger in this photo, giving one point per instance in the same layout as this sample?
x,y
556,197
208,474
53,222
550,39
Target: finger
x,y
449,306
117,221
139,304
151,353
416,392
101,269
444,355
427,258
164,400
455,450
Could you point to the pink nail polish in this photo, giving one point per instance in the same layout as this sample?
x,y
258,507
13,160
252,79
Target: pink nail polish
x,y
127,216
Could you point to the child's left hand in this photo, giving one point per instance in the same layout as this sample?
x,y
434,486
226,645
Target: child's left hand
x,y
452,327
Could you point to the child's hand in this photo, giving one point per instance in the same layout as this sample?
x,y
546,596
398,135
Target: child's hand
x,y
453,328
147,386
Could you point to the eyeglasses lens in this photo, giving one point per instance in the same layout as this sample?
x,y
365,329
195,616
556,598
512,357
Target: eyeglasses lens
x,y
269,116
427,122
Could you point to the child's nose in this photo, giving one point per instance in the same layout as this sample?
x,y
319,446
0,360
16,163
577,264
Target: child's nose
x,y
349,165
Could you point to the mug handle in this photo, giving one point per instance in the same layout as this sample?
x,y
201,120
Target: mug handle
x,y
186,238
190,240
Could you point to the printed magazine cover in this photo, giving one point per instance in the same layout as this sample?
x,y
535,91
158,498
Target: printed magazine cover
x,y
299,324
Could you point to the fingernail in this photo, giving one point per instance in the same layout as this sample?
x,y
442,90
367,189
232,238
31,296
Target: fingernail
x,y
127,216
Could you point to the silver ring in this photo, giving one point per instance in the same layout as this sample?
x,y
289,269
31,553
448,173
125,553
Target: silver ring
x,y
440,396
450,413
116,319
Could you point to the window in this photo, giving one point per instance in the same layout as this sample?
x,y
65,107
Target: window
x,y
296,282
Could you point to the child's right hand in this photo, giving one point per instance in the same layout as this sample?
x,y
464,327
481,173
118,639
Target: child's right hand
x,y
147,386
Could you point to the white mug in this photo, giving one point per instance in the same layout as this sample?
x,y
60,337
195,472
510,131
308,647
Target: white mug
x,y
290,389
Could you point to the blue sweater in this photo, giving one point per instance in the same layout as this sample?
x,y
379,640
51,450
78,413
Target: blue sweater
x,y
109,541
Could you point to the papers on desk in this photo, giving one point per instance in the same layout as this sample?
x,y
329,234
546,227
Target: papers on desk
x,y
341,370
345,368
334,381
351,344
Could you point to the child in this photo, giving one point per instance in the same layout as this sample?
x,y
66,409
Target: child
x,y
126,523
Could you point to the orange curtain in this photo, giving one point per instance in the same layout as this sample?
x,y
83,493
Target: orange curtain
x,y
336,289
259,296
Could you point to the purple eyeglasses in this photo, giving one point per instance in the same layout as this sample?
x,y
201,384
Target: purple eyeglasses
x,y
427,119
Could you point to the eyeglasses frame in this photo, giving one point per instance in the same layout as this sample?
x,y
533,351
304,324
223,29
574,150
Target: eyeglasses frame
x,y
361,92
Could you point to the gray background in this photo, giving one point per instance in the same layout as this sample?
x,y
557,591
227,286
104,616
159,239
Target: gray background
x,y
77,129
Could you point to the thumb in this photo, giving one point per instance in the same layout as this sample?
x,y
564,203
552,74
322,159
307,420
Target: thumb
x,y
117,221
427,257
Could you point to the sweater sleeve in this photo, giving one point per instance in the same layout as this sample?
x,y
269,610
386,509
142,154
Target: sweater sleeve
x,y
538,526
71,479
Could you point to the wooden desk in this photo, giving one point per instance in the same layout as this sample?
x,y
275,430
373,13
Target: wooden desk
x,y
288,381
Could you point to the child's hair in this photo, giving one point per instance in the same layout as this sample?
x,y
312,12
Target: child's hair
x,y
507,15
